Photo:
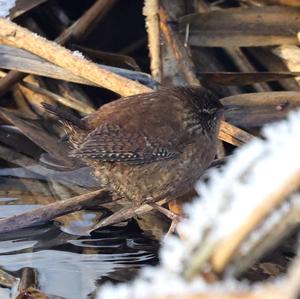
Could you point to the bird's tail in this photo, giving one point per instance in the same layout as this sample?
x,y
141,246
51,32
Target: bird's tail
x,y
73,126
63,115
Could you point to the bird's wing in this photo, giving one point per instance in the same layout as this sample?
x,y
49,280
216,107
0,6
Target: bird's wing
x,y
114,143
140,129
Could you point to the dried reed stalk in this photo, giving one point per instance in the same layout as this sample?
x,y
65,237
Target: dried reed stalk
x,y
14,35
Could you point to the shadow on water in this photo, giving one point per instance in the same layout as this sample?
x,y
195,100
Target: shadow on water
x,y
65,260
73,266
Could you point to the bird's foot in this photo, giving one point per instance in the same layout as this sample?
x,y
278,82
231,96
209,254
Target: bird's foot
x,y
173,225
171,215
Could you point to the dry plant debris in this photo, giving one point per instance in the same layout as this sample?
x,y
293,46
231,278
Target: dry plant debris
x,y
246,51
238,209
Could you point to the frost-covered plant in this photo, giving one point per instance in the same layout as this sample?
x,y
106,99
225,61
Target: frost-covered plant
x,y
254,174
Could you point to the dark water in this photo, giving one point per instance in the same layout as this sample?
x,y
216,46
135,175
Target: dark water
x,y
67,262
72,266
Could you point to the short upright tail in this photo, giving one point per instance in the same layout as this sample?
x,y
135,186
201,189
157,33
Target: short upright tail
x,y
63,115
73,126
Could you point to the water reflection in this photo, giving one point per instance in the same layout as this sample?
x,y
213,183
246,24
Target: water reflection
x,y
71,266
72,275
67,261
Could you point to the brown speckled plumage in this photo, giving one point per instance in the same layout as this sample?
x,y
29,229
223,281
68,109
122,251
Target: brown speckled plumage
x,y
150,146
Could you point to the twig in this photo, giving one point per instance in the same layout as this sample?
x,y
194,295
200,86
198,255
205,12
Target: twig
x,y
290,56
14,35
244,65
69,102
77,29
78,177
72,103
125,214
7,280
47,142
237,55
150,11
89,19
226,249
258,247
49,212
181,53
228,132
233,135
9,80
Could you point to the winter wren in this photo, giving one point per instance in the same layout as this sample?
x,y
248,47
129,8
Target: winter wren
x,y
149,146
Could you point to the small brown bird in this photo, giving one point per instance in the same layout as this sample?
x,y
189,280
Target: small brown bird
x,y
149,146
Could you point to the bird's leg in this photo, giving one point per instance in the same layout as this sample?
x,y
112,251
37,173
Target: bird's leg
x,y
170,214
175,206
163,210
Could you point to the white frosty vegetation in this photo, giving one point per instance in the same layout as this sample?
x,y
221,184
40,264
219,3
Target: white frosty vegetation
x,y
232,195
78,54
5,7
